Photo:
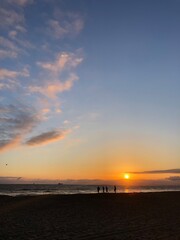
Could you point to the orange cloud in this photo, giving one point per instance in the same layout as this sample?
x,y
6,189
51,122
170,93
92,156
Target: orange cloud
x,y
64,64
63,61
52,89
47,137
9,144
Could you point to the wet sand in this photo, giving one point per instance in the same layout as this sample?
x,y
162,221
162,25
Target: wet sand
x,y
140,216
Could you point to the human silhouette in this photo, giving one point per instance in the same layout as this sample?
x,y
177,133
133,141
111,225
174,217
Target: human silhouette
x,y
98,189
106,189
103,189
114,189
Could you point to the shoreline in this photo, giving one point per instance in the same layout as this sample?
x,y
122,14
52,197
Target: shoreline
x,y
93,193
91,216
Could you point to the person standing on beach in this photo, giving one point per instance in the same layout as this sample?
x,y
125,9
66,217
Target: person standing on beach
x,y
114,189
98,189
103,189
106,189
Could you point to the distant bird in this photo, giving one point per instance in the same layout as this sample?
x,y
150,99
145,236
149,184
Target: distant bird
x,y
6,164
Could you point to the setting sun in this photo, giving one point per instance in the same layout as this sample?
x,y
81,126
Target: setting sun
x,y
126,176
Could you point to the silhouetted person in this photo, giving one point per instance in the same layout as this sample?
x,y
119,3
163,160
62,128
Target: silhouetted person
x,y
106,189
98,189
103,189
114,189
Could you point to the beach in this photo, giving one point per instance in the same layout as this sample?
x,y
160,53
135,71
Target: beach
x,y
91,216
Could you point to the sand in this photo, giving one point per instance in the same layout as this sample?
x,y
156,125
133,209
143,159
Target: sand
x,y
92,216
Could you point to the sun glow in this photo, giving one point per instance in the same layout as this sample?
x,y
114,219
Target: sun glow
x,y
126,176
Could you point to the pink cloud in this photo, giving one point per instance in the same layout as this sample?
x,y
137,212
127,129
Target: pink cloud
x,y
7,54
63,61
52,89
5,73
55,71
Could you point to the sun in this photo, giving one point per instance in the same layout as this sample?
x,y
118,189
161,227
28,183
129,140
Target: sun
x,y
126,176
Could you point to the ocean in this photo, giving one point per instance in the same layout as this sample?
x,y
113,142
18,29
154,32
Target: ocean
x,y
41,189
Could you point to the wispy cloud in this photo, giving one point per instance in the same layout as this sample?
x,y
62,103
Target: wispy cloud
x,y
8,49
177,170
7,54
6,43
14,46
15,122
9,18
52,89
20,2
5,73
65,25
47,137
55,83
8,78
63,62
12,20
48,78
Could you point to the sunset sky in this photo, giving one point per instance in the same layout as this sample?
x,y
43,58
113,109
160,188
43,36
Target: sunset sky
x,y
89,89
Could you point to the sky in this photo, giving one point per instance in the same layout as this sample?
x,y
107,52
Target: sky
x,y
89,90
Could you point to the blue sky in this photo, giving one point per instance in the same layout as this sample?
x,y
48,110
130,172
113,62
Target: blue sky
x,y
86,84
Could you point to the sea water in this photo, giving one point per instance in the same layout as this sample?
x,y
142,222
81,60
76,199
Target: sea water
x,y
41,189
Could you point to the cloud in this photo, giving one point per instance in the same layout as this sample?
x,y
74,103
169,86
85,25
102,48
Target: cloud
x,y
175,178
52,89
20,28
7,54
158,171
10,180
5,73
13,22
55,81
48,79
15,122
12,33
4,177
6,144
65,25
20,2
21,42
8,78
63,61
6,43
66,122
8,49
47,137
9,18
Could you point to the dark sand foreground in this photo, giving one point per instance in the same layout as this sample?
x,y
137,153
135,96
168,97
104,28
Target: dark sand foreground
x,y
93,216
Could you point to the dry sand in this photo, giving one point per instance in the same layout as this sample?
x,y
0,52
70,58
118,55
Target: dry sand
x,y
93,216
